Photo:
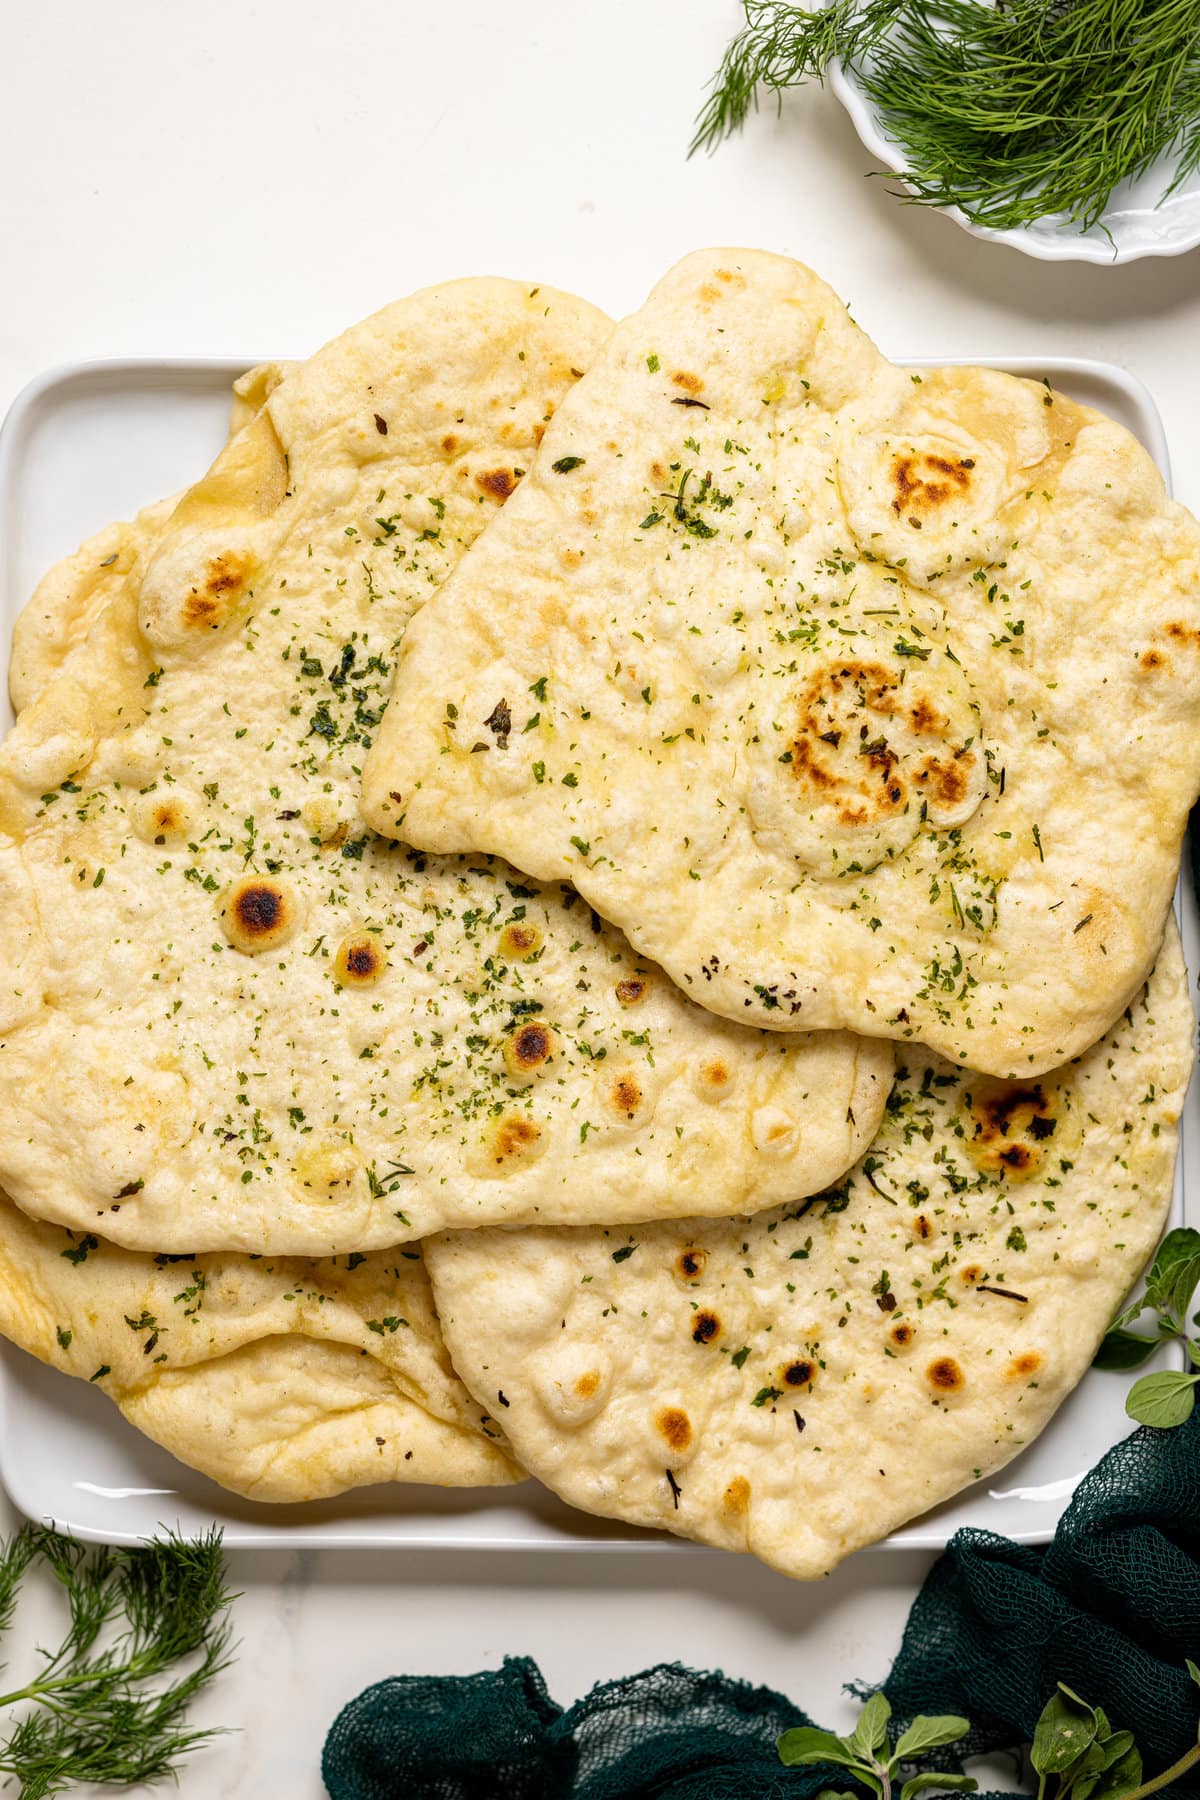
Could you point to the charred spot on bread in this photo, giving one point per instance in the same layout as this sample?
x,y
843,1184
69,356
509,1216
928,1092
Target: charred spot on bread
x,y
258,913
945,1375
360,960
674,1427
529,1048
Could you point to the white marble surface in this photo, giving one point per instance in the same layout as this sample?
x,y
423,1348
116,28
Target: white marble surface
x,y
255,174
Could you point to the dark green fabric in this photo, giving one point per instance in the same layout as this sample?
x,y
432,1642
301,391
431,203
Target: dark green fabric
x,y
669,1733
451,1737
1112,1608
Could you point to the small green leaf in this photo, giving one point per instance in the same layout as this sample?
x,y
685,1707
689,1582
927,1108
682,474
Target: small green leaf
x,y
1193,1350
1178,1245
1163,1400
808,1744
928,1733
1120,1349
1192,1670
1128,1313
870,1733
1124,1775
1175,1272
1115,1747
965,1784
1090,1763
1063,1733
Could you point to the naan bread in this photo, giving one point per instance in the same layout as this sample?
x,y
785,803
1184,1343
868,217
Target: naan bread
x,y
800,1383
71,596
232,1018
864,698
281,1379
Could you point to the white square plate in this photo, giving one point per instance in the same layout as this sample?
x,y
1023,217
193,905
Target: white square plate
x,y
93,442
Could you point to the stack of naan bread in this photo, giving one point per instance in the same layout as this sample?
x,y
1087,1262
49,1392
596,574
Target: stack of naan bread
x,y
716,1042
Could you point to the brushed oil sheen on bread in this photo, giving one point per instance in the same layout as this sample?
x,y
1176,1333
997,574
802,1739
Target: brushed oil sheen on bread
x,y
855,697
271,1030
800,1383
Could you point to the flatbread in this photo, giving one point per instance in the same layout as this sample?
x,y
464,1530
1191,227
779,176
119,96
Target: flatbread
x,y
231,1017
283,1380
71,596
872,699
287,1381
800,1383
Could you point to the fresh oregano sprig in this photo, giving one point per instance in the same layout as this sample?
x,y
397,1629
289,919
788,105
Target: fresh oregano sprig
x,y
1166,1398
1010,112
107,1705
1075,1748
1076,1753
870,1756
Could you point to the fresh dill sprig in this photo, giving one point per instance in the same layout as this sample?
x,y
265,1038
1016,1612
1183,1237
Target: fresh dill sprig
x,y
99,1711
1011,112
779,47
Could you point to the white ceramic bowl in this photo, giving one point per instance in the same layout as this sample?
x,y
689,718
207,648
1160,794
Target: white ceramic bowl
x,y
1139,222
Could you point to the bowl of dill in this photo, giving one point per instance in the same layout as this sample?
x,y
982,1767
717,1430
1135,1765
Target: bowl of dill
x,y
1069,129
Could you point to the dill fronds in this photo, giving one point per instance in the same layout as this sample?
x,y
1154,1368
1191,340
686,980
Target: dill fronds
x,y
1011,112
779,47
99,1708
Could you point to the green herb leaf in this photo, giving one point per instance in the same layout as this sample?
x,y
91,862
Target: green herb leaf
x,y
808,1744
965,1784
870,1733
1114,1747
1192,1670
1121,1349
928,1733
1122,1776
1174,1274
1163,1400
1063,1733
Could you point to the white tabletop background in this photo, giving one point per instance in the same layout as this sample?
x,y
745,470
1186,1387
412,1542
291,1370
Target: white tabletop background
x,y
248,177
